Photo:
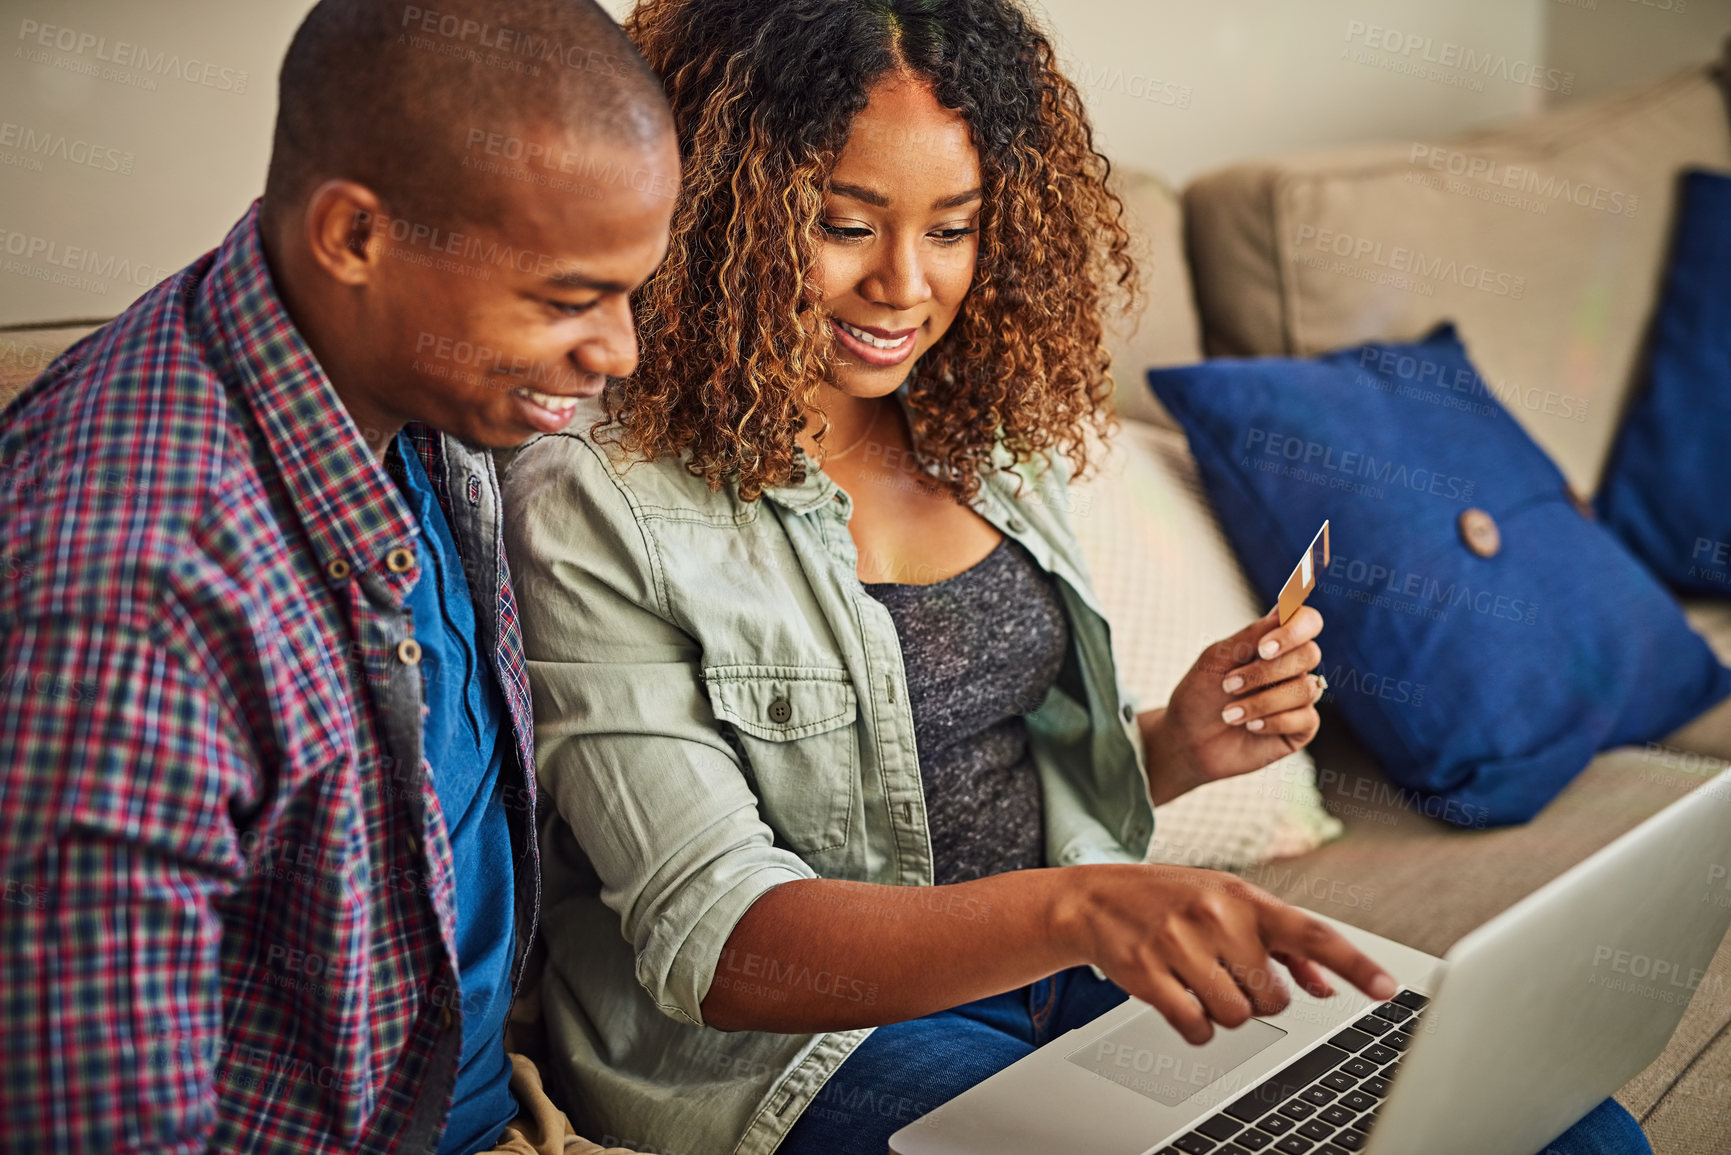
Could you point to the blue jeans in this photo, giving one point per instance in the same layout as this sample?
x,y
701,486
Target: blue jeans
x,y
907,1069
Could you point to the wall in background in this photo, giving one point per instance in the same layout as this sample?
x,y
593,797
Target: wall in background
x,y
1614,43
132,135
1179,88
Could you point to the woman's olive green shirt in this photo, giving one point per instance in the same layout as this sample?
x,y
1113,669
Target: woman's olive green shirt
x,y
720,708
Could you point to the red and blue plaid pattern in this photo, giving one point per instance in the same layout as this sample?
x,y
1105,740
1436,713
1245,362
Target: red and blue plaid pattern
x,y
227,916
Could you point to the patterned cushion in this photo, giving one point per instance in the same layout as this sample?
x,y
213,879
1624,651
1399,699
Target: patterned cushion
x,y
1170,586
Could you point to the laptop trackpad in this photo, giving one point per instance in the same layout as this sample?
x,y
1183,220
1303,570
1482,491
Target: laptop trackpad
x,y
1147,1056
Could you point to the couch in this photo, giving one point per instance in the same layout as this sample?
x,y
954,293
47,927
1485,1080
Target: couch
x,y
1577,204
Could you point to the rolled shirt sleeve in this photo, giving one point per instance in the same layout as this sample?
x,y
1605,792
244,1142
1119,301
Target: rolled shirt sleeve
x,y
627,744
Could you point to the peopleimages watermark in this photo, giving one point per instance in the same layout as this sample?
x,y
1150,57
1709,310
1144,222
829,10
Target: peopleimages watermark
x,y
1718,892
1400,260
1380,793
845,1105
30,477
77,266
1404,591
1343,679
759,976
918,149
1164,1072
30,146
449,358
1521,179
589,175
31,357
18,681
1136,85
1711,561
1663,980
1446,62
1404,374
25,894
1282,880
127,63
1350,469
515,49
909,474
1490,194
465,254
1657,761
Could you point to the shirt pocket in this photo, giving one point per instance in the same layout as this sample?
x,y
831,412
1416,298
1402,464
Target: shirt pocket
x,y
794,728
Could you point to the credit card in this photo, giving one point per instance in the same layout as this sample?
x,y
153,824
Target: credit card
x,y
1304,575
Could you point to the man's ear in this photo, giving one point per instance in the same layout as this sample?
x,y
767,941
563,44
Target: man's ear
x,y
346,225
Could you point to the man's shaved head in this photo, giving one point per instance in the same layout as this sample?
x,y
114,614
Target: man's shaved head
x,y
393,96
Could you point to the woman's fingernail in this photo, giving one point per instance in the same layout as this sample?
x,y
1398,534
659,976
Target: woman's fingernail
x,y
1382,987
1233,713
1253,724
1268,648
1233,684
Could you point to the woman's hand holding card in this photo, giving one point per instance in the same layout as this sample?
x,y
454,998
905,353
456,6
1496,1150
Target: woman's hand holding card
x,y
1249,700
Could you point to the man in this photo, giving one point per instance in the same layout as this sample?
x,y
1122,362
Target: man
x,y
265,742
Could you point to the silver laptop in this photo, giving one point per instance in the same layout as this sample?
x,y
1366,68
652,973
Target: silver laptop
x,y
1530,1021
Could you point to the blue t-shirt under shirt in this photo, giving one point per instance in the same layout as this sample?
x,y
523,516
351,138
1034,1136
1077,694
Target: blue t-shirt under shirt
x,y
465,740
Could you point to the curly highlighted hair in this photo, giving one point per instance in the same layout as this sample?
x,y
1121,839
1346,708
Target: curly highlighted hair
x,y
764,93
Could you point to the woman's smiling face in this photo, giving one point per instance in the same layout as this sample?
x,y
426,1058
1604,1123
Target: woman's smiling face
x,y
900,235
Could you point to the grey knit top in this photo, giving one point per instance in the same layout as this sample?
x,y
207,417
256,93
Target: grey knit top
x,y
980,649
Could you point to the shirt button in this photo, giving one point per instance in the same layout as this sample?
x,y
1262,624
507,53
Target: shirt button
x,y
1478,530
780,711
444,1018
1129,712
408,651
1017,525
338,569
414,842
400,560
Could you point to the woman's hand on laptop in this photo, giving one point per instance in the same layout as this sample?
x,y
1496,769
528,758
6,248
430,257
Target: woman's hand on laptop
x,y
891,953
1200,946
1249,700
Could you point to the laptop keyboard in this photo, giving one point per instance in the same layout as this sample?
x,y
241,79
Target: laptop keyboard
x,y
1322,1104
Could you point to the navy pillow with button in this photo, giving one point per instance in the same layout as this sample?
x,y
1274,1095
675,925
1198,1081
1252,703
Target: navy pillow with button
x,y
1667,491
1484,637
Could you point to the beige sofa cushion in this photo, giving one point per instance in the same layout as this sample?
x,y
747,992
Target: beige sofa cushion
x,y
1544,241
1164,330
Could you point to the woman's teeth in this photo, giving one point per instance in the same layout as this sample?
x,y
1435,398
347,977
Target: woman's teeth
x,y
871,339
549,400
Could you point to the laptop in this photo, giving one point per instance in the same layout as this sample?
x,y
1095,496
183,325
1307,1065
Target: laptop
x,y
1499,1047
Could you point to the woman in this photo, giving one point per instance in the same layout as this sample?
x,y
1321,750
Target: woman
x,y
825,700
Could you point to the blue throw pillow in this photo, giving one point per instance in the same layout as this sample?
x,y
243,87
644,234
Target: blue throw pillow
x,y
1667,490
1484,679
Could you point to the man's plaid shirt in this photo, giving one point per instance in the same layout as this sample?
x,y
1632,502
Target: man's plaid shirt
x,y
227,917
